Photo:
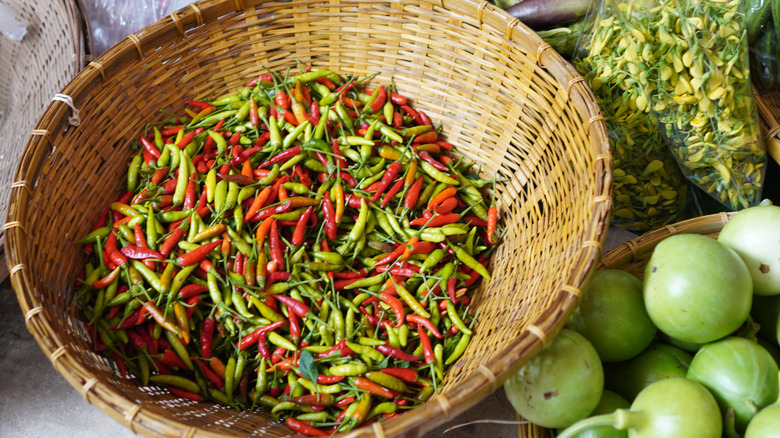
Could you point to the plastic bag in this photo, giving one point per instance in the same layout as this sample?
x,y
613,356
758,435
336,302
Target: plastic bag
x,y
763,27
113,20
687,61
649,189
9,25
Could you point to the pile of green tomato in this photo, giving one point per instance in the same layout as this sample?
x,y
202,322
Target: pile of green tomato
x,y
690,350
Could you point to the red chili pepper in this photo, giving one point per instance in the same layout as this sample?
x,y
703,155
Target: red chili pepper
x,y
295,327
393,256
114,255
445,194
281,157
150,148
326,82
171,241
428,158
270,211
278,276
206,337
140,253
351,274
303,428
407,271
258,202
298,307
341,284
475,221
436,221
318,399
245,155
353,200
300,227
397,99
413,194
425,341
324,379
275,245
187,138
380,100
282,100
169,186
392,192
396,305
396,353
405,374
197,254
192,290
108,279
424,118
392,171
254,117
185,394
329,214
262,346
424,322
412,113
289,116
446,206
339,347
210,374
199,104
251,338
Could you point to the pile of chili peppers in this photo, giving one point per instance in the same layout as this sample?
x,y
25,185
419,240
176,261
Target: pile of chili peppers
x,y
299,245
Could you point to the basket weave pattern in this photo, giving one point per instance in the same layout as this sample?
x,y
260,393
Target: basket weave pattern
x,y
504,98
52,51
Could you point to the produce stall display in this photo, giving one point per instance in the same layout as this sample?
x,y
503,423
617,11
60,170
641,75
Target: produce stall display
x,y
472,78
309,249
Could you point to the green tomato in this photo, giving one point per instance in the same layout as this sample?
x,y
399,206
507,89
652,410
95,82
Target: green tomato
x,y
560,385
612,316
741,375
696,289
675,407
766,424
754,233
657,362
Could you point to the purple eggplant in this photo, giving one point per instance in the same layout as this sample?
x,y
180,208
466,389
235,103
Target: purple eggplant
x,y
541,14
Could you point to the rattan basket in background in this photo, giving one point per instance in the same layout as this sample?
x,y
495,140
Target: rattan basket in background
x,y
506,99
55,47
769,111
633,255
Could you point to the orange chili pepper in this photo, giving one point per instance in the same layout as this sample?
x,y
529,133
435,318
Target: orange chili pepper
x,y
262,230
492,221
449,192
259,201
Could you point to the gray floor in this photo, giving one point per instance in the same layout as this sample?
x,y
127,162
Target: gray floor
x,y
35,401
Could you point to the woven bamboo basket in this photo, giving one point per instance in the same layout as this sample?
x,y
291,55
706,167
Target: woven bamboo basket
x,y
769,111
55,47
633,255
505,99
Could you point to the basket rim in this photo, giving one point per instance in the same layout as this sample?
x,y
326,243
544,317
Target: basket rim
x,y
81,34
490,376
